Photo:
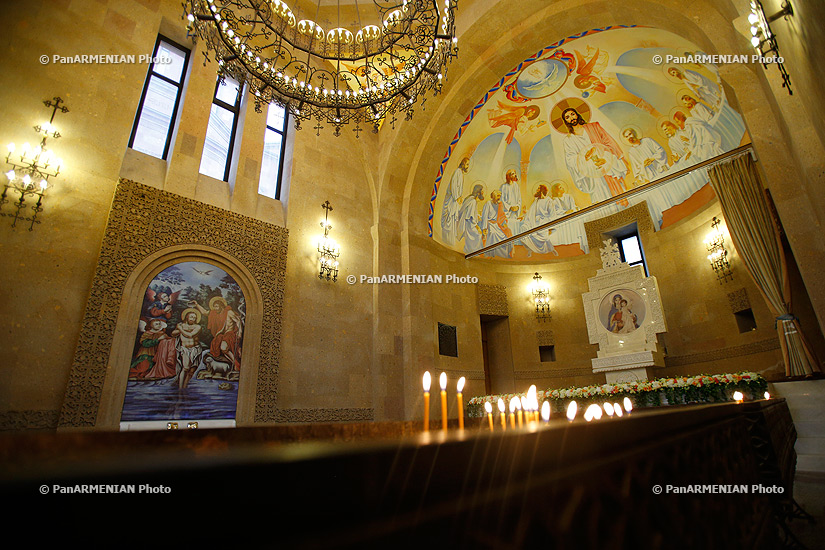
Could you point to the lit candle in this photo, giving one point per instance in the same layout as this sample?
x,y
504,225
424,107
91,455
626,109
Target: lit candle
x,y
489,409
513,404
608,408
459,389
545,411
443,381
501,408
738,397
628,405
767,395
532,402
572,409
618,410
520,406
427,382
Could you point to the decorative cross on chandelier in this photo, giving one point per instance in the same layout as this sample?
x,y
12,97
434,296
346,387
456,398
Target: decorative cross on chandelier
x,y
397,52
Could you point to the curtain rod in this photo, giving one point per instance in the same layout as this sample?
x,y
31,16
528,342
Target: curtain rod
x,y
742,149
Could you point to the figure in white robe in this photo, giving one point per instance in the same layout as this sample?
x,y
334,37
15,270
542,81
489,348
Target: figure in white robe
x,y
679,142
511,199
539,213
570,232
469,220
648,160
698,110
494,227
452,203
702,86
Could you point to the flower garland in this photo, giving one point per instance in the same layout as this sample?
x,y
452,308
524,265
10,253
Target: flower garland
x,y
702,388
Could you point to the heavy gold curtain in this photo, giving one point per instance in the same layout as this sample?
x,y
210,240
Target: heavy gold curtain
x,y
736,182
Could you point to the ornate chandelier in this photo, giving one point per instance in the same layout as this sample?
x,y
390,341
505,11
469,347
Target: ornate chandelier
x,y
396,52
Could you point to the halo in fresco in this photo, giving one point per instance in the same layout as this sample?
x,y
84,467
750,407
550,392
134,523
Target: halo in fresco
x,y
679,115
541,78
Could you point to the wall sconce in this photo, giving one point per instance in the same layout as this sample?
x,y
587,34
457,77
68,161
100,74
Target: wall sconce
x,y
763,39
718,257
541,295
31,169
328,249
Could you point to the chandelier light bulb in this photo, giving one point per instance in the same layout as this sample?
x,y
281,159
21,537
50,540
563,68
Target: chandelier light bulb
x,y
11,147
11,175
27,180
43,184
755,41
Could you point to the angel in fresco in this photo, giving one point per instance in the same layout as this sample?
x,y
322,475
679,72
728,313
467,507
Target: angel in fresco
x,y
512,117
160,302
589,71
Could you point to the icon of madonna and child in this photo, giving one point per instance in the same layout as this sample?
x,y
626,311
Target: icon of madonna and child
x,y
622,311
187,356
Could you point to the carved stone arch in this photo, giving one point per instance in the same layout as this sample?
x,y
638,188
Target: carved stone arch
x,y
126,327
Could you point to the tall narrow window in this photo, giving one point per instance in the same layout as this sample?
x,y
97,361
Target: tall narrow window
x,y
158,109
630,249
220,133
272,165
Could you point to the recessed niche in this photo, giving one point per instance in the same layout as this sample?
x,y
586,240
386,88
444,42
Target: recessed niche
x,y
447,340
547,353
745,320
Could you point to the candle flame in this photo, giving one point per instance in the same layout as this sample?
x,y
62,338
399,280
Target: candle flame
x,y
501,406
514,404
608,408
594,412
488,407
767,395
443,381
531,393
618,410
427,381
737,396
523,404
545,411
572,409
460,386
628,405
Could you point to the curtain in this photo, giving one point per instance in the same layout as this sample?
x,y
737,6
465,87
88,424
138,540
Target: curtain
x,y
737,184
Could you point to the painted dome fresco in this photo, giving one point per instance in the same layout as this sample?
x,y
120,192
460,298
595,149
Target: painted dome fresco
x,y
581,121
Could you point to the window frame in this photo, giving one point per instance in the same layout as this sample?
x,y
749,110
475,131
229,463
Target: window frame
x,y
179,85
628,235
282,133
236,112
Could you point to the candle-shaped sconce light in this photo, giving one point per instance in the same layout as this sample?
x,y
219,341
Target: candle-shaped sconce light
x,y
443,382
427,382
738,396
501,409
617,409
572,409
628,405
489,409
459,389
545,411
513,406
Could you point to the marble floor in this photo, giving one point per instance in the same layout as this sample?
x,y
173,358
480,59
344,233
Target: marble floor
x,y
809,492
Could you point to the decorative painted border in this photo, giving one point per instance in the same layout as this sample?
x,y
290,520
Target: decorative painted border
x,y
487,95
